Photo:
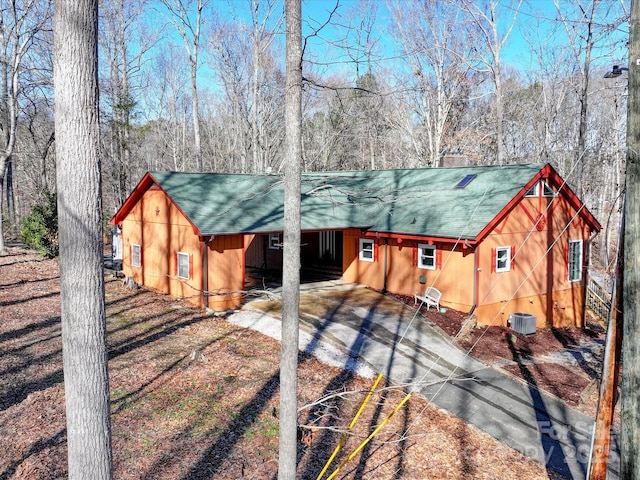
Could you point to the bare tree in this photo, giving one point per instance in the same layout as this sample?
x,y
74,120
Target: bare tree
x,y
582,22
262,36
21,23
124,43
486,15
244,58
84,345
434,36
167,113
189,29
291,266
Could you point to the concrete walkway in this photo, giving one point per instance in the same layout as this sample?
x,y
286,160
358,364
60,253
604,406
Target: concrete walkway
x,y
410,351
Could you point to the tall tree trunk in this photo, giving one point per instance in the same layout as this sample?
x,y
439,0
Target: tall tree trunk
x,y
195,109
3,170
584,95
291,267
190,33
630,431
84,346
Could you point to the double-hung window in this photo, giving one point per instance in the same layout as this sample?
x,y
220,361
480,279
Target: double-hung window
x,y
426,256
574,260
366,250
136,255
183,265
503,259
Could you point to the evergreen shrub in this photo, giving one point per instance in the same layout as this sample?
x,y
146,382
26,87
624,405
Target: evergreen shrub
x,y
40,228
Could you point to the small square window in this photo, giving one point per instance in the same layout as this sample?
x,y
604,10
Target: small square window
x,y
136,257
366,250
503,259
275,241
427,257
183,265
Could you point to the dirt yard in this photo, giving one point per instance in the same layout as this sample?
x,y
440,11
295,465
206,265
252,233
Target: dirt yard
x,y
195,397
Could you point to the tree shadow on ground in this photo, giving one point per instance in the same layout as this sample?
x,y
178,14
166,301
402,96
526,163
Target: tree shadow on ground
x,y
213,458
37,447
554,456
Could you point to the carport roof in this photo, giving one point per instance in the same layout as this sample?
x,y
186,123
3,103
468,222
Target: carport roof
x,y
425,202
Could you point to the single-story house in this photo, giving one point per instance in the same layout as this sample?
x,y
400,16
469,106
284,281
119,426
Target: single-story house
x,y
495,240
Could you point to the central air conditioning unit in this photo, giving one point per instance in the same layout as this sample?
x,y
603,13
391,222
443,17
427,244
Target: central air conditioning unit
x,y
523,323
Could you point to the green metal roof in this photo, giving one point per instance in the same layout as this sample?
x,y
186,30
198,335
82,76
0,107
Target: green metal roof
x,y
406,201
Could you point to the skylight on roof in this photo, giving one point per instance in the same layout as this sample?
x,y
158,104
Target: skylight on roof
x,y
466,180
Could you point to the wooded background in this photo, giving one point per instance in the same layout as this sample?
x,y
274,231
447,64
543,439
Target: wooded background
x,y
197,85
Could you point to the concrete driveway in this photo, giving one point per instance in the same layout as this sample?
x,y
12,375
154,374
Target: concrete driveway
x,y
371,328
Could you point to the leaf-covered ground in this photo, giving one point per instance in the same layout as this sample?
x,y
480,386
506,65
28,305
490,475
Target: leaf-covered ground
x,y
194,397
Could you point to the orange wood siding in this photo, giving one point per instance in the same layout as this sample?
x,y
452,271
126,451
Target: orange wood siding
x,y
540,233
162,231
453,275
537,231
226,271
356,271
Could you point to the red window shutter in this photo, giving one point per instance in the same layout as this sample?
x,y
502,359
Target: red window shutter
x,y
415,256
493,260
131,254
357,249
375,251
439,259
566,261
513,256
190,266
175,266
141,256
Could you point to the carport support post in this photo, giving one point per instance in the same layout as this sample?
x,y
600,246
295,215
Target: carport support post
x,y
630,431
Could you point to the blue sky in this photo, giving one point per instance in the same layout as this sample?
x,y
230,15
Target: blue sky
x,y
535,20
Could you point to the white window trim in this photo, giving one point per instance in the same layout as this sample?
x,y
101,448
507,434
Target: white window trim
x,y
533,191
275,241
547,191
579,278
133,256
361,255
183,255
540,188
507,267
424,246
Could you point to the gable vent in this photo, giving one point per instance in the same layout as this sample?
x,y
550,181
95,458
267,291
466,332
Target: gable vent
x,y
466,180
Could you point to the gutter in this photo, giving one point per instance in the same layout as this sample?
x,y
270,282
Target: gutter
x,y
400,237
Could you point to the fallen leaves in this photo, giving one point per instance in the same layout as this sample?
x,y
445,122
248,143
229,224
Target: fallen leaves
x,y
177,416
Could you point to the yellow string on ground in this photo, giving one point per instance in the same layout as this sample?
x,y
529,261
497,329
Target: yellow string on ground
x,y
351,425
368,439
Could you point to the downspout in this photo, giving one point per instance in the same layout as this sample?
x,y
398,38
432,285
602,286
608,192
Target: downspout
x,y
476,273
386,252
205,276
